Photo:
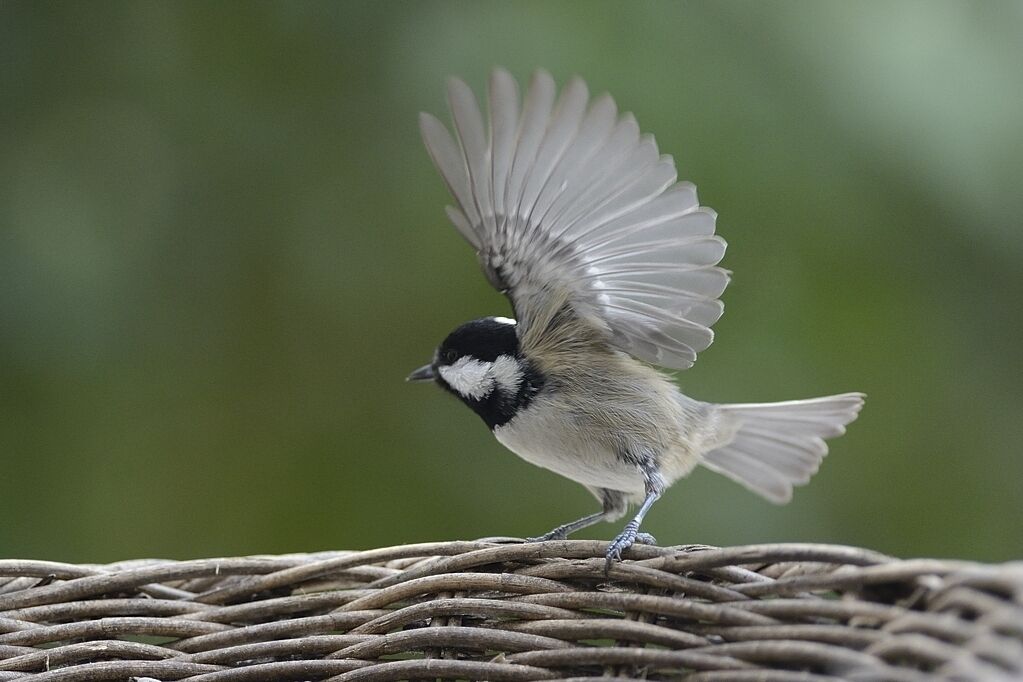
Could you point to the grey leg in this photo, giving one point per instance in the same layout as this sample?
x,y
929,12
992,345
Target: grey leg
x,y
630,535
613,503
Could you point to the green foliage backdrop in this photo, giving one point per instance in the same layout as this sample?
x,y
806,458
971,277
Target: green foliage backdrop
x,y
222,247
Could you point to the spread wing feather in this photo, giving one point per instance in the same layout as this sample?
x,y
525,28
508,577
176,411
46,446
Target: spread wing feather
x,y
565,195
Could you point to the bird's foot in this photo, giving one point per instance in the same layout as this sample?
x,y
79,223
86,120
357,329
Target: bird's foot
x,y
627,538
645,539
558,533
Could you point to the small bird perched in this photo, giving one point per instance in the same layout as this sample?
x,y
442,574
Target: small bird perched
x,y
610,264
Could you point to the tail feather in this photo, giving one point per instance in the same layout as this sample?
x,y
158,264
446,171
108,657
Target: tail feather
x,y
776,446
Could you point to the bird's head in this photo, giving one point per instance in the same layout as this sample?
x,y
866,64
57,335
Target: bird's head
x,y
480,363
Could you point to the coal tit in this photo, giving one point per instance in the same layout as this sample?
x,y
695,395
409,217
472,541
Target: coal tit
x,y
611,267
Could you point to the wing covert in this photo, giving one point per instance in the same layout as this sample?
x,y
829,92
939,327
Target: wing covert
x,y
565,195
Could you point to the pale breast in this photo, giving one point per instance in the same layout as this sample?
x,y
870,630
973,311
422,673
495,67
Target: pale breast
x,y
551,435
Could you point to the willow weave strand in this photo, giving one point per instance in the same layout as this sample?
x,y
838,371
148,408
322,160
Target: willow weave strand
x,y
502,610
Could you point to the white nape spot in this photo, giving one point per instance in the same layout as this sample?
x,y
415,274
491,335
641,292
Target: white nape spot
x,y
508,374
470,377
504,320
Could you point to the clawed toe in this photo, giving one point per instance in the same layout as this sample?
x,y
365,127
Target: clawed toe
x,y
622,542
556,534
645,539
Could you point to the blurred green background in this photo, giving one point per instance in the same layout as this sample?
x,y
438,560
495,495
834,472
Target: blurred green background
x,y
222,247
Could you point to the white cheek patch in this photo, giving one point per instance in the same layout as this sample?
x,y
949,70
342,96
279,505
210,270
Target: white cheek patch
x,y
508,374
470,377
504,320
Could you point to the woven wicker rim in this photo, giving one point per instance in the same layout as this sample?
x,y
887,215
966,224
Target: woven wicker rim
x,y
499,609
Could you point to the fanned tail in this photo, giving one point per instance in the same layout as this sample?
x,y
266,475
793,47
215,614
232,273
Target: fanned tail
x,y
780,445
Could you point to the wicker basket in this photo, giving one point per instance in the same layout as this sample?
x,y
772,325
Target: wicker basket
x,y
502,610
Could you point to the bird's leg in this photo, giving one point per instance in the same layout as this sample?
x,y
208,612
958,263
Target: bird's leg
x,y
563,531
653,485
613,506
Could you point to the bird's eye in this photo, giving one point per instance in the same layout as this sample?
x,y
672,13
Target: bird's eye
x,y
450,355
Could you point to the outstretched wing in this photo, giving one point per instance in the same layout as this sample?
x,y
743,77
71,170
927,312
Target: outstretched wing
x,y
566,201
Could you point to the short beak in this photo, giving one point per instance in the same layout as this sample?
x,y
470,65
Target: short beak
x,y
424,373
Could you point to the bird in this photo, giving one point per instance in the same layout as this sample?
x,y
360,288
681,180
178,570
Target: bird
x,y
612,269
